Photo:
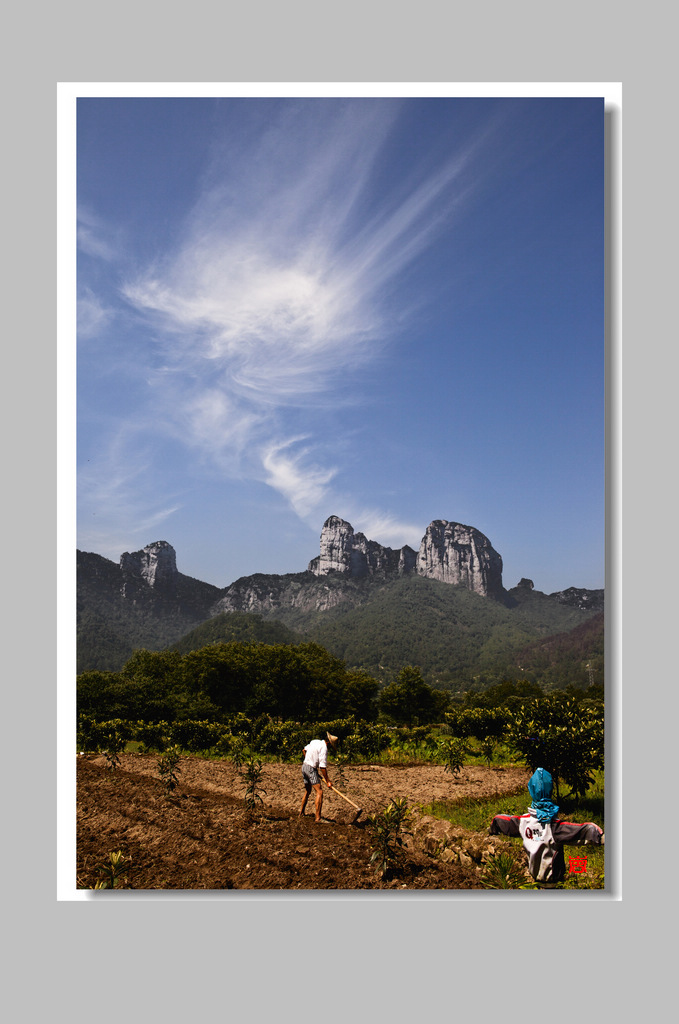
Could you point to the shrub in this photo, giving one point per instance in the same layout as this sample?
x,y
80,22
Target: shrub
x,y
364,739
478,722
100,736
155,736
284,739
195,736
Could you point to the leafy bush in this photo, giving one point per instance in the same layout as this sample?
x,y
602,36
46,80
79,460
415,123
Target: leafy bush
x,y
154,736
196,736
478,722
284,739
95,735
364,739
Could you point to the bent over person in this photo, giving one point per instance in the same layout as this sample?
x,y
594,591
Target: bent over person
x,y
543,836
315,765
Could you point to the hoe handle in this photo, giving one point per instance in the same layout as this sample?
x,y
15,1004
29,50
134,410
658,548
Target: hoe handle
x,y
336,790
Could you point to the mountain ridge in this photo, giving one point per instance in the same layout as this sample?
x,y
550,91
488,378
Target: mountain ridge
x,y
144,601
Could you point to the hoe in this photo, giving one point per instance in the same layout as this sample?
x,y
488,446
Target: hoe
x,y
359,810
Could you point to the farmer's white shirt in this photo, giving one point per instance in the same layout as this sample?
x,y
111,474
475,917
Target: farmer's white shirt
x,y
316,754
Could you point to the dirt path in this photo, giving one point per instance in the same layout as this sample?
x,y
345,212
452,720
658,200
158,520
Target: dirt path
x,y
202,837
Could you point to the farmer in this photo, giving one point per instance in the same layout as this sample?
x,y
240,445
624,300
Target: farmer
x,y
543,836
315,761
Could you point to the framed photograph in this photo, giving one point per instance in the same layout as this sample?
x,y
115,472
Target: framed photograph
x,y
335,361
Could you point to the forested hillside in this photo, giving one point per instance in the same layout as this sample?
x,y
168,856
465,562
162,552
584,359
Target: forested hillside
x,y
457,638
248,628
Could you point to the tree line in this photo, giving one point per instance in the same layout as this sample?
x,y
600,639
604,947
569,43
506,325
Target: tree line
x,y
295,682
301,682
267,692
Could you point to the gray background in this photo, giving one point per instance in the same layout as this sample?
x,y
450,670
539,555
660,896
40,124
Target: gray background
x,y
171,959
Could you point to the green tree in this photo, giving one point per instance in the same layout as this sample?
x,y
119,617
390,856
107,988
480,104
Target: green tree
x,y
410,701
560,734
98,694
150,684
361,696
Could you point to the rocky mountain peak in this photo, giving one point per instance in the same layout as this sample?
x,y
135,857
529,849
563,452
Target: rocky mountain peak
x,y
352,554
460,555
337,541
156,564
449,552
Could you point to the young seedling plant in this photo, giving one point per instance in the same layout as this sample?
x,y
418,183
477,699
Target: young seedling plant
x,y
504,872
488,749
112,871
115,745
238,754
252,775
168,768
454,754
388,828
340,761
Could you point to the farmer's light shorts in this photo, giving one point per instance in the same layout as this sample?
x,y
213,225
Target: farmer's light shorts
x,y
310,775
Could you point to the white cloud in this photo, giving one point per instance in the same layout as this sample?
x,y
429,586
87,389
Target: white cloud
x,y
113,489
276,295
302,483
94,237
215,423
387,529
93,316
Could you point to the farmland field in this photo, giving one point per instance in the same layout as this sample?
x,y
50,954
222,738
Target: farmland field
x,y
202,836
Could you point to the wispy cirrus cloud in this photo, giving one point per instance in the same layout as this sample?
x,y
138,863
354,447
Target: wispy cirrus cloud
x,y
93,315
282,287
288,471
95,237
112,489
388,529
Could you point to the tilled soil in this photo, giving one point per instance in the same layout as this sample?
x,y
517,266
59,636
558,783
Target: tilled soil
x,y
201,836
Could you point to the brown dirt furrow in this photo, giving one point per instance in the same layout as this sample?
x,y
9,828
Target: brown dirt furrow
x,y
202,837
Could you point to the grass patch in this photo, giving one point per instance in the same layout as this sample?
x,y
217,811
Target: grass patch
x,y
475,814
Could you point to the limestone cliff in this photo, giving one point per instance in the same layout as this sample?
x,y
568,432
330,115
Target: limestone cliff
x,y
155,565
449,552
352,554
462,556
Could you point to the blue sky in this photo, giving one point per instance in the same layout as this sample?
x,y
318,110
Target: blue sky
x,y
391,310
